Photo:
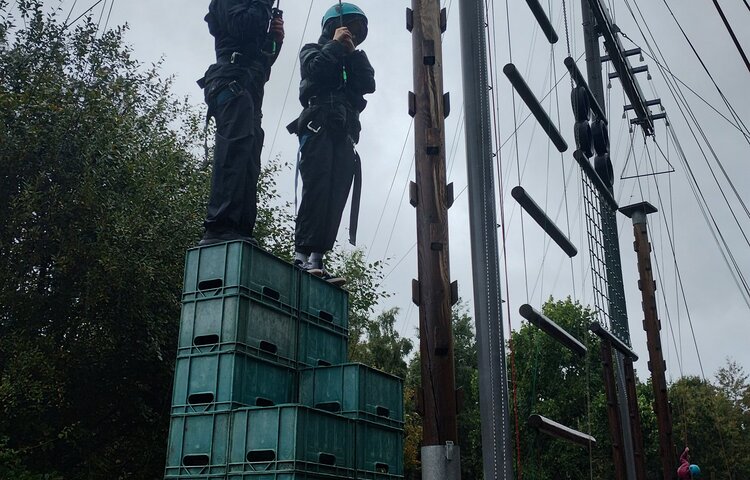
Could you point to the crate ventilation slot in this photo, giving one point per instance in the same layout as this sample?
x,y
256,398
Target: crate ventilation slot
x,y
254,456
211,284
201,398
195,460
268,347
382,412
271,293
329,406
327,459
203,340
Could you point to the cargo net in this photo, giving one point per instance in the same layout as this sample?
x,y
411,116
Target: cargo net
x,y
609,296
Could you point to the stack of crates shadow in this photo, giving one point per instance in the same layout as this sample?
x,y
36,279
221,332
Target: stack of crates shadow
x,y
262,390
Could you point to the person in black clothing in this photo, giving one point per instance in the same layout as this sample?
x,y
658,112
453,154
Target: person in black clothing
x,y
335,78
248,36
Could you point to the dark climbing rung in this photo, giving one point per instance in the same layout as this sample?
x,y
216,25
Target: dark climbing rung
x,y
540,217
554,429
618,344
595,179
552,329
570,64
543,20
536,108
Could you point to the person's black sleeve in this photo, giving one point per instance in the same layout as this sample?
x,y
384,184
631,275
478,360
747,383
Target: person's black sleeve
x,y
322,65
244,21
361,74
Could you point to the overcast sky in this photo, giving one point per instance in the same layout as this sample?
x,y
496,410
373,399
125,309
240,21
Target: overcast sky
x,y
175,31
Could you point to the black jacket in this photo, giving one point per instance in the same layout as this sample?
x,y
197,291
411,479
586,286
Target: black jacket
x,y
322,66
239,27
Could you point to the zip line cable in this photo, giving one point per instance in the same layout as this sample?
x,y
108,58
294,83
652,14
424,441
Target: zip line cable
x,y
390,189
746,4
700,59
695,342
731,34
745,133
681,100
66,24
289,86
665,66
703,205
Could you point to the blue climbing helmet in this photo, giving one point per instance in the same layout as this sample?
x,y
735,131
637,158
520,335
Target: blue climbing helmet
x,y
344,13
695,471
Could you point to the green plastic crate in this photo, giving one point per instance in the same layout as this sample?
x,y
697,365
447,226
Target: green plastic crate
x,y
198,445
319,345
239,267
196,477
380,449
217,324
289,437
285,475
227,380
354,390
321,301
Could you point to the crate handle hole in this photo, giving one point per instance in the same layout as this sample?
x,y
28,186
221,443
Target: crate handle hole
x,y
329,406
254,456
268,347
381,467
212,284
201,398
271,293
264,402
326,459
323,363
326,316
196,460
203,340
382,411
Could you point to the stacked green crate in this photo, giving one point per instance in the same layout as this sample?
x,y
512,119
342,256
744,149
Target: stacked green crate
x,y
374,400
237,348
256,337
291,438
323,322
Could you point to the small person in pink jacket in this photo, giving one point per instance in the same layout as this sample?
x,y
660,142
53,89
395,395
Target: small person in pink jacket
x,y
687,471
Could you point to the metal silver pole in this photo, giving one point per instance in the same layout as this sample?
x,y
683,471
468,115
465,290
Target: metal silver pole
x,y
493,379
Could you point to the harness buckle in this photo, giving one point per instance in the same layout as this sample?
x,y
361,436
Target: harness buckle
x,y
313,129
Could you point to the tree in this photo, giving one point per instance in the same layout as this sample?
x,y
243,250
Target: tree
x,y
384,348
100,196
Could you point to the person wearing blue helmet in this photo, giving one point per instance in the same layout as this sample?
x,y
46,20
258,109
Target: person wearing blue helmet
x,y
233,89
686,470
336,76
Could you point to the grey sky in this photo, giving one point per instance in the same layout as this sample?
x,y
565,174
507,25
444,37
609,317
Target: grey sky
x,y
175,30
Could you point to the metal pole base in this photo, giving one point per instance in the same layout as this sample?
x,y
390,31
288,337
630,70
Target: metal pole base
x,y
441,462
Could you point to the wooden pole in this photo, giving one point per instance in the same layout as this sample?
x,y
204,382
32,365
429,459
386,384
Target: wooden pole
x,y
433,292
652,326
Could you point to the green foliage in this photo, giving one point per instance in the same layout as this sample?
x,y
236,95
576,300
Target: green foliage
x,y
100,196
364,283
384,348
712,421
274,227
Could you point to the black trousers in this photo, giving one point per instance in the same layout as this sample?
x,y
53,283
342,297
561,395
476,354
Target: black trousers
x,y
326,166
232,205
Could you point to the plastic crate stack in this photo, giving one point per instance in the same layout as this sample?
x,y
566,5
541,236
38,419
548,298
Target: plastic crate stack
x,y
262,390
